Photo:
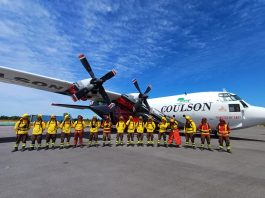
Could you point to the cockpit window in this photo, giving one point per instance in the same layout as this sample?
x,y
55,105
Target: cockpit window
x,y
228,97
234,108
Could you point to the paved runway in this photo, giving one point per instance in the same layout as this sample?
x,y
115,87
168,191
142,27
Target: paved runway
x,y
135,172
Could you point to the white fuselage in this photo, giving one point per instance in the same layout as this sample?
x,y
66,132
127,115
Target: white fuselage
x,y
211,105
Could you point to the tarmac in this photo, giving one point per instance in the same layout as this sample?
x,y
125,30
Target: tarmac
x,y
141,172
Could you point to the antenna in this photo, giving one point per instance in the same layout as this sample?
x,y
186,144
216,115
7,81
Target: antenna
x,y
224,90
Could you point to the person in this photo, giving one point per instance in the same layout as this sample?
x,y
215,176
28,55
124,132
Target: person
x,y
205,130
120,126
79,127
223,133
130,124
38,128
140,131
190,130
94,127
66,126
174,133
52,126
22,128
162,131
107,126
150,127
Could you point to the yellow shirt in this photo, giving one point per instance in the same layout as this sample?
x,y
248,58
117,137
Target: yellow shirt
x,y
38,128
131,126
120,126
150,126
140,127
79,125
22,127
190,128
66,126
163,127
52,126
94,126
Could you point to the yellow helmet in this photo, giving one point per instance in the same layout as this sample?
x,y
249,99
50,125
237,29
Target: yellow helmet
x,y
172,120
140,117
25,115
150,117
130,117
164,118
66,116
53,116
188,117
39,116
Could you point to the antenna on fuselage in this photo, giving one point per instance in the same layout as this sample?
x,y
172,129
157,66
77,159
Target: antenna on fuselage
x,y
224,90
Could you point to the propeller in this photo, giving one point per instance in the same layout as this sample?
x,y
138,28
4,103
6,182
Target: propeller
x,y
98,82
142,98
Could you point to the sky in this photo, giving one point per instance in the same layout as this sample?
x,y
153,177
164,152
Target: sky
x,y
177,46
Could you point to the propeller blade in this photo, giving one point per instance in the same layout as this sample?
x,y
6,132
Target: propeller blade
x,y
134,81
104,95
86,65
148,89
108,75
79,94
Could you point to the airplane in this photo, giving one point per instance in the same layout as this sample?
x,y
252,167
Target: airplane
x,y
211,105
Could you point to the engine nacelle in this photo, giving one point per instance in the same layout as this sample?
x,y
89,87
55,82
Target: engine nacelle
x,y
80,89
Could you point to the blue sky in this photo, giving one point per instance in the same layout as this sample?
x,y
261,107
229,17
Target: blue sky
x,y
177,46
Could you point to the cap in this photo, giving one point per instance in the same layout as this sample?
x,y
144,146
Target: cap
x,y
25,115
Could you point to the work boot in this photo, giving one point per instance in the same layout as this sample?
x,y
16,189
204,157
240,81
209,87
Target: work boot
x,y
121,143
128,143
229,149
165,145
186,144
117,143
210,147
193,146
15,149
47,147
221,148
202,147
74,146
103,144
23,148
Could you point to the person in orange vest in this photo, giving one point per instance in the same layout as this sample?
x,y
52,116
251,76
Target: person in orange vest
x,y
38,128
22,128
190,130
66,126
107,125
130,124
120,126
79,127
150,127
140,131
174,133
52,127
205,130
94,126
223,133
162,131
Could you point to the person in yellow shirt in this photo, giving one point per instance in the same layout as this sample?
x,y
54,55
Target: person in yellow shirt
x,y
162,131
130,124
52,126
21,128
38,128
190,130
79,127
120,126
140,131
66,126
107,126
94,127
150,127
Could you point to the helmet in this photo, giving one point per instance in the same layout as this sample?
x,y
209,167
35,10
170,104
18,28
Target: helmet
x,y
66,116
172,120
121,118
164,118
94,117
150,117
39,116
188,117
80,117
25,115
130,117
53,116
140,117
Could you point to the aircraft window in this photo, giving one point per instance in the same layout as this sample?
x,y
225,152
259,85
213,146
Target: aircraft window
x,y
228,97
244,104
234,108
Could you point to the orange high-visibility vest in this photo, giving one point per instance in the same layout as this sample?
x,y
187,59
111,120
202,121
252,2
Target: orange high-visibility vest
x,y
222,130
205,129
107,127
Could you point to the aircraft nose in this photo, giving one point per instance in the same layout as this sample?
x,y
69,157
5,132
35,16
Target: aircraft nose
x,y
256,115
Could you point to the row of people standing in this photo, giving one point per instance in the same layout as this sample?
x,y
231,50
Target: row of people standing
x,y
23,125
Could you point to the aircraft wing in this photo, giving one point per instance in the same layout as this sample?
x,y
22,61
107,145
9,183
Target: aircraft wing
x,y
17,77
27,79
